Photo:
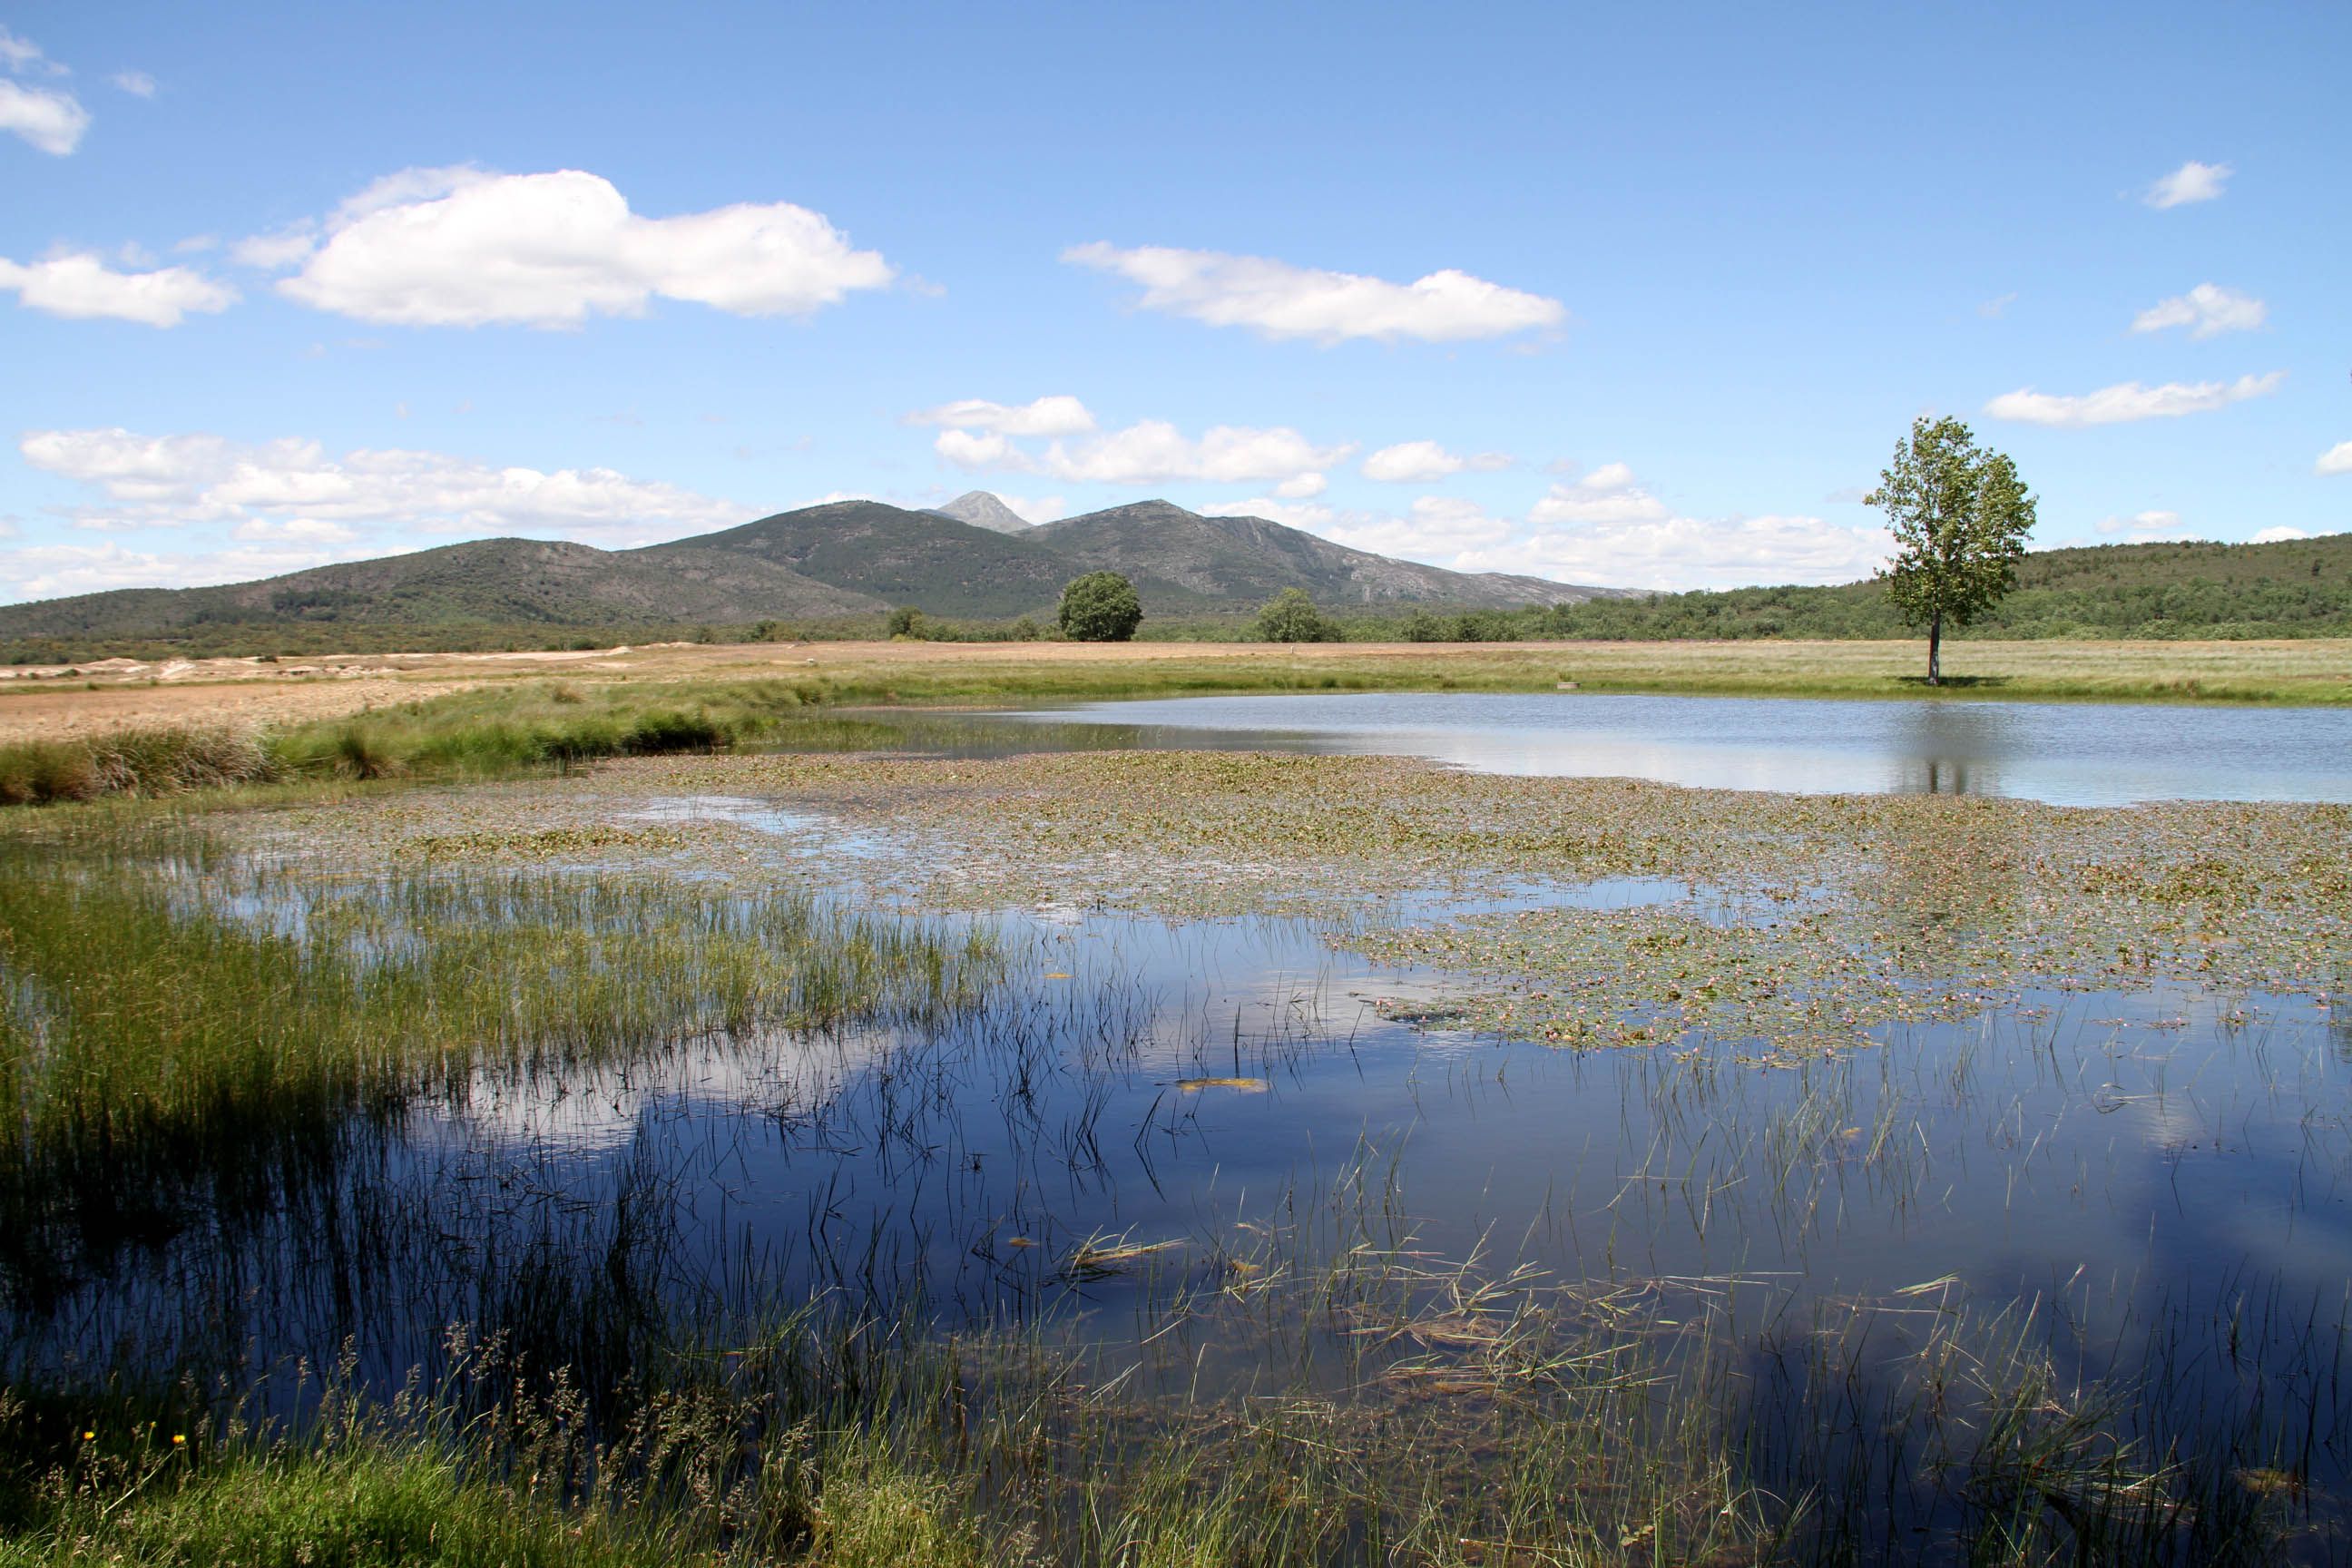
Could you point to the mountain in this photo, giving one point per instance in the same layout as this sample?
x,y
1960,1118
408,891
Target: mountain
x,y
981,509
1248,560
845,558
485,581
896,556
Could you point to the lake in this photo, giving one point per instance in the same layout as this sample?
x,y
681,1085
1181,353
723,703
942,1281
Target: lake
x,y
1901,1142
2065,753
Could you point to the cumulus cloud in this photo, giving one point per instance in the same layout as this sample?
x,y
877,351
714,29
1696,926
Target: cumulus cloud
x,y
2192,182
50,571
51,118
463,246
1434,529
1678,552
1153,450
1650,552
137,84
1607,494
1423,462
2337,459
2130,401
81,286
1055,415
988,450
1280,300
2207,310
2279,535
164,480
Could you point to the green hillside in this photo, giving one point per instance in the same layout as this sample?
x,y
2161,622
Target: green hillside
x,y
834,569
2297,588
484,582
889,554
1245,560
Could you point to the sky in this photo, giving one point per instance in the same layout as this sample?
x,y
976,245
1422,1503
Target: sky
x,y
1630,296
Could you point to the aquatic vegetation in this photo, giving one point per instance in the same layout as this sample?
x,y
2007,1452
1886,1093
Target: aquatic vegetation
x,y
786,1230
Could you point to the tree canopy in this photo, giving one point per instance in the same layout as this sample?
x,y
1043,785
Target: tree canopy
x,y
1100,606
1291,616
1959,515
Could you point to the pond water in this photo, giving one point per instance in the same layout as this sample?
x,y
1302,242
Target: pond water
x,y
1146,1131
2068,755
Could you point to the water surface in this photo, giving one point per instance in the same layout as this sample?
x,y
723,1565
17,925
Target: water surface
x,y
2064,754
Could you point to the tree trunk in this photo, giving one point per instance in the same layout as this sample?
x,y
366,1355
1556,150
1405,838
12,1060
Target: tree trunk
x,y
1935,651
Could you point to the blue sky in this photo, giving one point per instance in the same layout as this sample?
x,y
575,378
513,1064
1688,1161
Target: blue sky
x,y
1631,296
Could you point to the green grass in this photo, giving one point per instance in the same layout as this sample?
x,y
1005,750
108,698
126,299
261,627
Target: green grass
x,y
153,1047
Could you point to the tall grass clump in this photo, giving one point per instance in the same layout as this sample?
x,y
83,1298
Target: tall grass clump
x,y
150,761
154,1040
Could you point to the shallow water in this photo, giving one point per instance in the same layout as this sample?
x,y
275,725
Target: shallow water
x,y
2067,754
2148,1185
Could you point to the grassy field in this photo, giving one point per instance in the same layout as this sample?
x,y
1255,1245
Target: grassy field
x,y
478,716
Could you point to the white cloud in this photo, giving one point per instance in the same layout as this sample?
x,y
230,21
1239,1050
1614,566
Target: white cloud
x,y
2192,182
2280,535
1056,415
2207,310
1152,450
1434,529
1606,495
81,286
50,118
21,55
464,247
50,571
1423,462
137,84
160,481
1992,310
1280,300
1665,551
1034,509
277,250
296,530
1302,487
975,453
2147,528
2337,459
2130,401
1678,552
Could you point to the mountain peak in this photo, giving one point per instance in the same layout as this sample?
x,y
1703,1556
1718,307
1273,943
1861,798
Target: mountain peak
x,y
984,509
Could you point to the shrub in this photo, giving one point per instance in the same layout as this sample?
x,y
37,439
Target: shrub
x,y
1291,616
1100,606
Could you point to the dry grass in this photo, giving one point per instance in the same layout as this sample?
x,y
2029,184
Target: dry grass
x,y
49,704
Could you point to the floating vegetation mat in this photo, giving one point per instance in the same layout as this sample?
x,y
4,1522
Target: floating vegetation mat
x,y
1796,924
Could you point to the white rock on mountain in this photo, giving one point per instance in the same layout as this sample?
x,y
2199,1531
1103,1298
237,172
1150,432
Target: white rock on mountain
x,y
982,510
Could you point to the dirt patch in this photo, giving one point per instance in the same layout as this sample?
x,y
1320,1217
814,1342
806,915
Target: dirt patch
x,y
57,712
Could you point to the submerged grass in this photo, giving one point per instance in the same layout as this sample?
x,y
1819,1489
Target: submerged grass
x,y
176,1020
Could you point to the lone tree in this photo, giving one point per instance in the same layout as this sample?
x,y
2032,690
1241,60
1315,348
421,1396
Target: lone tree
x,y
1100,606
1960,515
1291,616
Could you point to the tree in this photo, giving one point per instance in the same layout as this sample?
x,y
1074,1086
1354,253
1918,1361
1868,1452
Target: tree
x,y
1291,616
1422,626
1960,515
1100,606
906,621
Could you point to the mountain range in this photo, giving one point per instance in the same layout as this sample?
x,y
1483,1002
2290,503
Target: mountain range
x,y
974,557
